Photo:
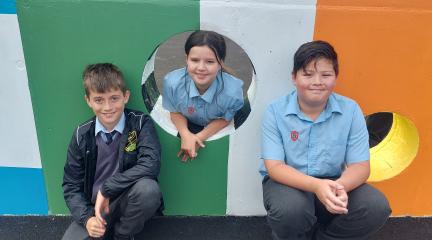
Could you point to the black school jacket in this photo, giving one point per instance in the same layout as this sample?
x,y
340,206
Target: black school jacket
x,y
139,157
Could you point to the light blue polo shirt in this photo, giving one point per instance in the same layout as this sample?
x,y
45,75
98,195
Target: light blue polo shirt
x,y
319,148
222,99
119,127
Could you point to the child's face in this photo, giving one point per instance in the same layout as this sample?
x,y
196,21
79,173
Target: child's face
x,y
108,107
315,83
202,66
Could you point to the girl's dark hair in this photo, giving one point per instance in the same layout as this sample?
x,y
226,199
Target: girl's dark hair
x,y
210,39
313,51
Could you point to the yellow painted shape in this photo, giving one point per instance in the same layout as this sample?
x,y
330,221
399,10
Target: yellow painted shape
x,y
396,152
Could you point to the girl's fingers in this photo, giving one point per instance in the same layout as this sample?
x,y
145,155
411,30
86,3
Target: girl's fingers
x,y
185,157
200,143
182,155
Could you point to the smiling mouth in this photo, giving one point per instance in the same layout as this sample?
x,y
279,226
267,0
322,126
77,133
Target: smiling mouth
x,y
201,75
317,90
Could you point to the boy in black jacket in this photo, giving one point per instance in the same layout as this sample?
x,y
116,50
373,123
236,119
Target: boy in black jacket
x,y
113,160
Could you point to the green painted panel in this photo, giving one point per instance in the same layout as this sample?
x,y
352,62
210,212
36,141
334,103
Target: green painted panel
x,y
61,37
197,187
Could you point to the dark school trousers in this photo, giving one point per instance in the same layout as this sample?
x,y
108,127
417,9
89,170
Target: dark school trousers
x,y
294,214
128,212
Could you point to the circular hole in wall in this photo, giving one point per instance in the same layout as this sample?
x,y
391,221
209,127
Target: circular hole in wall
x,y
169,56
394,142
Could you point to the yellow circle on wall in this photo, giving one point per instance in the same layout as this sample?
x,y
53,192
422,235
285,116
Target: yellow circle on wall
x,y
396,151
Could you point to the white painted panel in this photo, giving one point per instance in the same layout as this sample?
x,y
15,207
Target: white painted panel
x,y
270,32
18,141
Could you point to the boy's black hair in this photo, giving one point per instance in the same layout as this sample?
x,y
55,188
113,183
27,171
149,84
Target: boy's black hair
x,y
102,77
313,51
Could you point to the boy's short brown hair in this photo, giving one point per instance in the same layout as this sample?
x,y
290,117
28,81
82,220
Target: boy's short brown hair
x,y
102,77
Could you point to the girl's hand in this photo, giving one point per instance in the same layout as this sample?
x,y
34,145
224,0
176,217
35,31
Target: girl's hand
x,y
190,143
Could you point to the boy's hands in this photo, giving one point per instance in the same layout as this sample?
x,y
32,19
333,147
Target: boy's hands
x,y
101,206
190,143
332,195
95,228
343,196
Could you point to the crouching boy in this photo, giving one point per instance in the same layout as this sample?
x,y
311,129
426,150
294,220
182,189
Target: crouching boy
x,y
110,176
315,149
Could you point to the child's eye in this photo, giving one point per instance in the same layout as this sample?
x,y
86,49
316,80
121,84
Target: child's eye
x,y
211,61
115,98
98,100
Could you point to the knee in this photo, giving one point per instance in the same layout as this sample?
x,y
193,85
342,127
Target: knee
x,y
379,207
146,191
375,207
294,217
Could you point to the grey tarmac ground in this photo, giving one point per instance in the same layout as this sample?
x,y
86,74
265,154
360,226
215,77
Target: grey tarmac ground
x,y
198,228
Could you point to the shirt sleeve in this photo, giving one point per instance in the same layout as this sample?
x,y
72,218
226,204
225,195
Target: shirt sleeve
x,y
168,94
271,142
236,105
358,139
237,101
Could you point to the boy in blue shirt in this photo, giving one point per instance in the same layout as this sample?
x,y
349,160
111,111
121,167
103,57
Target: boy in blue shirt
x,y
315,149
110,176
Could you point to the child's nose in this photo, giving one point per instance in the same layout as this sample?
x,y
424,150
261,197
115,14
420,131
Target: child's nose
x,y
107,105
201,65
317,79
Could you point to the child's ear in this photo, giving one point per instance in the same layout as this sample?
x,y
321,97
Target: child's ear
x,y
294,80
87,100
126,96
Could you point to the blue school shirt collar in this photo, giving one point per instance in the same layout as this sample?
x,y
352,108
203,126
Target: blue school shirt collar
x,y
119,127
208,95
293,107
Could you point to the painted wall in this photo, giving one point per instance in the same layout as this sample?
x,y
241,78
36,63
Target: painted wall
x,y
21,176
386,52
384,49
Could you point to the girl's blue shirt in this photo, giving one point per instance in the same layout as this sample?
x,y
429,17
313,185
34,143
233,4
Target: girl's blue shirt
x,y
222,99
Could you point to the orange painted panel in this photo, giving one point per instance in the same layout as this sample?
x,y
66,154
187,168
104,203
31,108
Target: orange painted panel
x,y
385,53
402,4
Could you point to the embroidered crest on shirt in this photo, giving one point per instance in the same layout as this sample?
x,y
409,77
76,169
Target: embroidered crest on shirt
x,y
294,135
191,110
131,141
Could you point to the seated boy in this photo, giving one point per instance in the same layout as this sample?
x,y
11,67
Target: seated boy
x,y
110,176
315,150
